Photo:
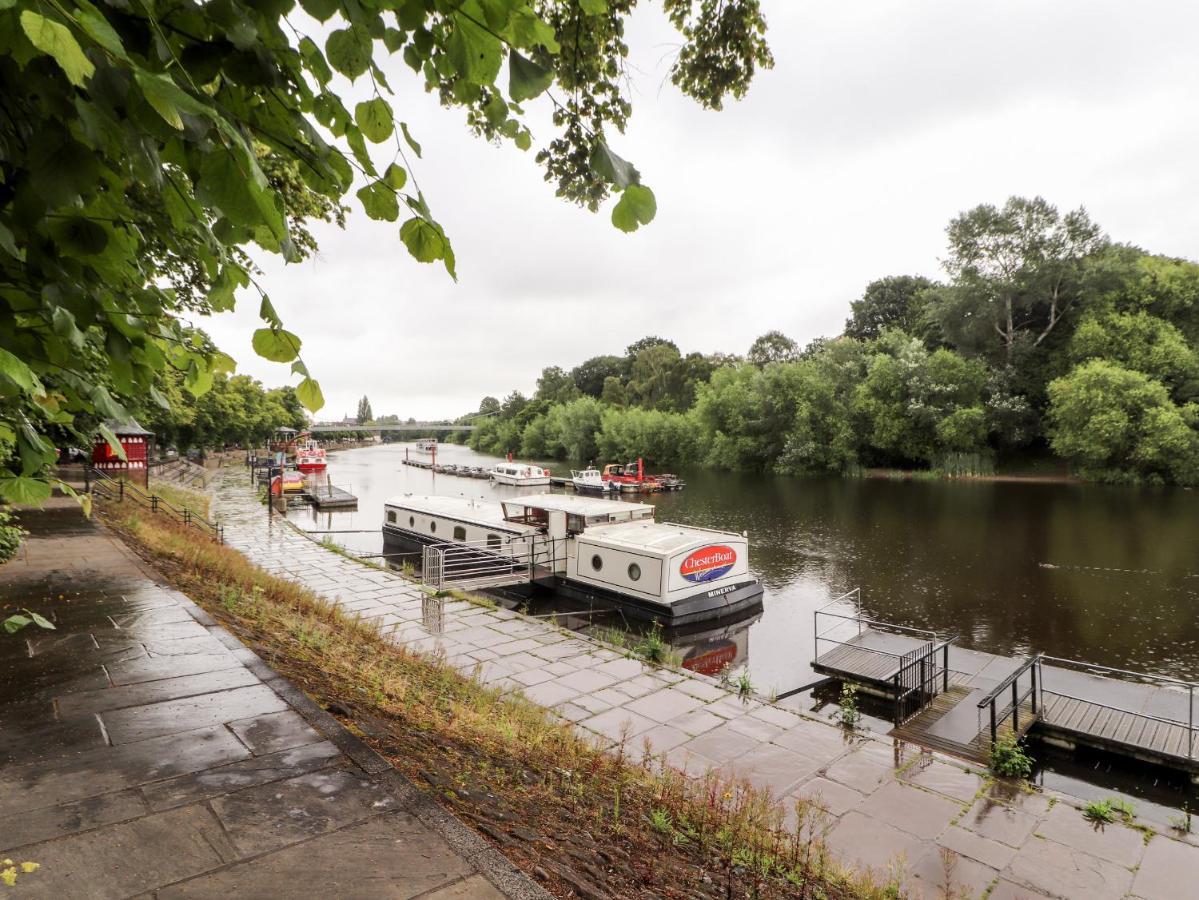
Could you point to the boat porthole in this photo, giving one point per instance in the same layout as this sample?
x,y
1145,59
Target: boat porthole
x,y
433,527
391,517
412,521
596,562
459,533
634,571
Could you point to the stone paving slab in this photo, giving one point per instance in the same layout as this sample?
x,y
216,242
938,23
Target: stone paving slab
x,y
887,805
144,750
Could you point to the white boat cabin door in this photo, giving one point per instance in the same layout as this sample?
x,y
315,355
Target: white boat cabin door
x,y
556,526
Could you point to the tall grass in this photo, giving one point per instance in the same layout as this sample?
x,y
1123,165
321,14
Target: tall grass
x,y
623,790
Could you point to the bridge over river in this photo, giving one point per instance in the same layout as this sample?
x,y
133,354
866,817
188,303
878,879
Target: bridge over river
x,y
414,427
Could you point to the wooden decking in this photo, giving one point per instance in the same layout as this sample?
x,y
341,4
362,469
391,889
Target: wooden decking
x,y
859,663
326,496
1098,725
971,742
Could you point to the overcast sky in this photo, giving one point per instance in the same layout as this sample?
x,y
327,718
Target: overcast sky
x,y
879,123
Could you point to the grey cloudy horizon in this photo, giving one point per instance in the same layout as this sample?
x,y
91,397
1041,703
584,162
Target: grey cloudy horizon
x,y
878,124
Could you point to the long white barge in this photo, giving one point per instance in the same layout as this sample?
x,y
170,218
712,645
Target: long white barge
x,y
587,548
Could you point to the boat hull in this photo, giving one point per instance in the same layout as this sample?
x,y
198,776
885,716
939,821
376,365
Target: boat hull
x,y
312,466
535,481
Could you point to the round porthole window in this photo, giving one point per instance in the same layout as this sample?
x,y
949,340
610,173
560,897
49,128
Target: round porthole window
x,y
412,521
634,572
433,527
596,562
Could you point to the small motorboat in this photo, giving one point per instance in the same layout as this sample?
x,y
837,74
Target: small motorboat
x,y
519,474
288,483
310,457
591,480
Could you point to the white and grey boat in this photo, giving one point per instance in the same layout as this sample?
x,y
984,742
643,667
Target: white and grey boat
x,y
585,548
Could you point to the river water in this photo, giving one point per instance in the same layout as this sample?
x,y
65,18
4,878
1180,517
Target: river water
x,y
1103,574
1108,575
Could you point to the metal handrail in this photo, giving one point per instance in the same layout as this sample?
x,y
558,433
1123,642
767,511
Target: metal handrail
x,y
1007,682
1143,675
119,489
1120,709
865,621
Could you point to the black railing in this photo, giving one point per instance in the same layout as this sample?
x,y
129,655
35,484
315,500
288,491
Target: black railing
x,y
103,485
923,674
1001,709
180,471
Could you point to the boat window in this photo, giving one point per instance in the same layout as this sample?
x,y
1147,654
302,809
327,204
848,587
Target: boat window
x,y
459,533
634,572
596,562
493,540
412,521
391,516
433,526
575,523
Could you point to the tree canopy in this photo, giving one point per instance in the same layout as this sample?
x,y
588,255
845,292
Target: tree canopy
x,y
148,151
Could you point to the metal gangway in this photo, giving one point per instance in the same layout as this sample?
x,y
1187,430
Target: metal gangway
x,y
474,565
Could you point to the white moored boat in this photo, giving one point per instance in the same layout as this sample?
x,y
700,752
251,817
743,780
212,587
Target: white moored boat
x,y
519,474
310,457
426,445
586,548
591,480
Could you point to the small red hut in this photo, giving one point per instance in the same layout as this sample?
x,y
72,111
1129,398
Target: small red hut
x,y
135,441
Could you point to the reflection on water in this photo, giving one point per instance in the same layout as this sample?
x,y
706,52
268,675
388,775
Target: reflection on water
x,y
1105,574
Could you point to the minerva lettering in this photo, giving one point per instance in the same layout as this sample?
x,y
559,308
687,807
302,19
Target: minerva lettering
x,y
708,563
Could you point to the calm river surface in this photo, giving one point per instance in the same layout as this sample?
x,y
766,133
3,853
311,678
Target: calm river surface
x,y
1103,574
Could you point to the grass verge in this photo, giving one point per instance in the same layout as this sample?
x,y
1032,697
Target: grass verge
x,y
580,820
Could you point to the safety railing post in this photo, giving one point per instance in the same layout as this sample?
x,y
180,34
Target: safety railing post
x,y
154,503
994,724
1016,706
1190,721
1033,673
945,667
121,482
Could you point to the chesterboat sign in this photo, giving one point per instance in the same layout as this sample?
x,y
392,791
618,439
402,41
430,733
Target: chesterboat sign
x,y
708,563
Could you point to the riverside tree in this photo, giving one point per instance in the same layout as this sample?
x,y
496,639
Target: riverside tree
x,y
148,150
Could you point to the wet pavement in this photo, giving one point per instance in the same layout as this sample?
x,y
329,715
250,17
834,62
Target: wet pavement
x,y
144,750
932,822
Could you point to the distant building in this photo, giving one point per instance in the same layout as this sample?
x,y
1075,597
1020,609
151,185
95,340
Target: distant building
x,y
134,440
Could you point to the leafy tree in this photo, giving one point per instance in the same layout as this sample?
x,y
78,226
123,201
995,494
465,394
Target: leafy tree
x,y
614,392
773,346
645,343
573,426
823,437
365,414
1118,424
555,386
915,405
1018,272
661,438
489,406
145,147
652,377
745,414
897,301
1141,342
590,375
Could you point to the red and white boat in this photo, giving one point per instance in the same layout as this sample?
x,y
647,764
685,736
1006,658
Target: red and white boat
x,y
310,457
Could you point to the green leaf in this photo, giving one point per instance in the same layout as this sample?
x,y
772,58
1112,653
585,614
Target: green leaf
x,y
527,29
526,79
57,41
64,326
223,363
157,397
395,177
21,489
349,51
379,201
80,235
20,374
636,207
475,53
423,239
96,25
41,621
275,344
308,392
594,7
524,139
612,168
235,185
409,139
374,118
111,439
320,10
13,624
9,245
315,60
358,145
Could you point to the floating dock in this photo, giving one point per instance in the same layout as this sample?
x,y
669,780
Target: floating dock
x,y
327,496
960,701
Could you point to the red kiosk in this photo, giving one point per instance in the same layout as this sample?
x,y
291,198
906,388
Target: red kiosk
x,y
135,441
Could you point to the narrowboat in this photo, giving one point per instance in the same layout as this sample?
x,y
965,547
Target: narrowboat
x,y
519,474
590,549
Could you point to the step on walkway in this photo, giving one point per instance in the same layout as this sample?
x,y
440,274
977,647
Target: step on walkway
x,y
890,806
144,749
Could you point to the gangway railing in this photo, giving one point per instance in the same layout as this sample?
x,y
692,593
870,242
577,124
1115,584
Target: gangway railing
x,y
1183,689
462,563
923,674
1001,707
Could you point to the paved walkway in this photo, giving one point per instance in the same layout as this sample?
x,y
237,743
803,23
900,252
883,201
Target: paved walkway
x,y
890,806
144,750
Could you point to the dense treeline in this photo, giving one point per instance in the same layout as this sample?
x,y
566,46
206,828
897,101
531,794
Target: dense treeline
x,y
237,409
1044,339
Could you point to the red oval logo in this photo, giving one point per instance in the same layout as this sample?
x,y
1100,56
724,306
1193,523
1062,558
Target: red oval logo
x,y
708,563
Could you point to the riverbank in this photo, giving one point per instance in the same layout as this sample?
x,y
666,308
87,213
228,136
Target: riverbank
x,y
568,809
144,749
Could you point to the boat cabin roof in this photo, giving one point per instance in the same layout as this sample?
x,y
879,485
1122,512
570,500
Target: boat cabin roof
x,y
483,512
577,505
658,537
